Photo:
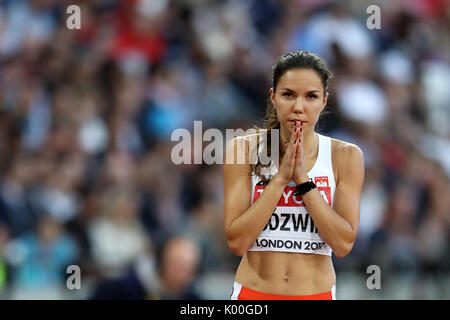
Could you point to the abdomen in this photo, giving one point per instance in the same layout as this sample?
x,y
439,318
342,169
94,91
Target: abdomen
x,y
286,273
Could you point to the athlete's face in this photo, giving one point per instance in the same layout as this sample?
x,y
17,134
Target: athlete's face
x,y
299,95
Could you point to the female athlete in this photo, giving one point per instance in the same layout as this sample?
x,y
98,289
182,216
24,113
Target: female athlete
x,y
287,223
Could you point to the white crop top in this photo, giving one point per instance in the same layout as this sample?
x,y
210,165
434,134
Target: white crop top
x,y
290,228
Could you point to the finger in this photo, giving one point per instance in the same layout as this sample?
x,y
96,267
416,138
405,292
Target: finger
x,y
298,152
296,131
298,127
292,139
297,139
301,143
293,154
292,149
288,144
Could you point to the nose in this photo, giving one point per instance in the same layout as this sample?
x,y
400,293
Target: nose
x,y
298,106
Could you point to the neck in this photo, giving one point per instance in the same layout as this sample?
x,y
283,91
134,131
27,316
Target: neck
x,y
310,140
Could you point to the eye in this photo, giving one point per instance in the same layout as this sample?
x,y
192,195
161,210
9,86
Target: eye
x,y
287,94
311,96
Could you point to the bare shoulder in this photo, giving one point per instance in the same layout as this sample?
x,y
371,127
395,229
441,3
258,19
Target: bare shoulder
x,y
343,150
348,159
242,148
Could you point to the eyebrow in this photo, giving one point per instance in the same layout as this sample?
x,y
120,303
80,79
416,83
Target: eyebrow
x,y
311,91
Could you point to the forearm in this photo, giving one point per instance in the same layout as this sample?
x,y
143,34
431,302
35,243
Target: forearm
x,y
246,227
334,229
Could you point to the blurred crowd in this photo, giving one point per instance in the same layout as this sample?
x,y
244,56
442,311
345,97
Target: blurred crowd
x,y
86,118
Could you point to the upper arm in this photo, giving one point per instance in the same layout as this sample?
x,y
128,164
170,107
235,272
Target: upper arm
x,y
350,171
237,181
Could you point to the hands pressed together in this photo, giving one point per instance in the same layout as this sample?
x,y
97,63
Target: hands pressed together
x,y
293,164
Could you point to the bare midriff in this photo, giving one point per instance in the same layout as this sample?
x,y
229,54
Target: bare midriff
x,y
286,273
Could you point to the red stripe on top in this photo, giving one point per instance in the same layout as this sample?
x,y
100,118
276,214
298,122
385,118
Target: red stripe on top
x,y
289,200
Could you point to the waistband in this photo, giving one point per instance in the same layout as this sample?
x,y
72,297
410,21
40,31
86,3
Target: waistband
x,y
243,293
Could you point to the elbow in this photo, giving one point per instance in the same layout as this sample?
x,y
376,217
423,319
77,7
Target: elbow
x,y
237,247
237,250
343,249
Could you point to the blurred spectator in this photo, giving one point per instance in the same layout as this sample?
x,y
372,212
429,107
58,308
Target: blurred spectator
x,y
4,267
16,205
179,261
170,277
116,236
39,260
